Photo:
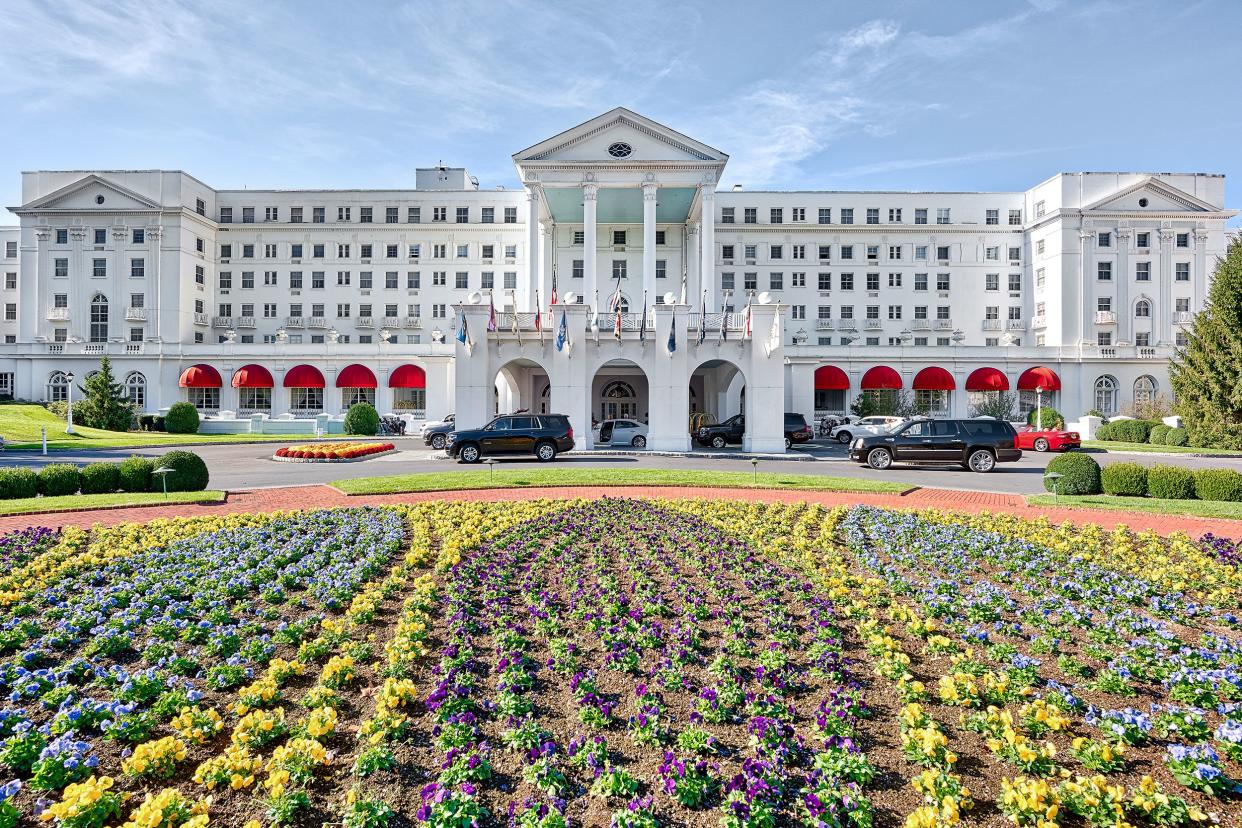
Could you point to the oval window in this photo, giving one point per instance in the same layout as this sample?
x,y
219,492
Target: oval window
x,y
620,149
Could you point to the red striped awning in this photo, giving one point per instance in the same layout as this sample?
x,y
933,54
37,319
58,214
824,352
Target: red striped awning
x,y
881,378
252,376
303,376
408,376
987,379
356,376
831,378
200,376
1034,377
933,378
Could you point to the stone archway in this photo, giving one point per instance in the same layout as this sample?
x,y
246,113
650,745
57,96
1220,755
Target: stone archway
x,y
716,392
519,386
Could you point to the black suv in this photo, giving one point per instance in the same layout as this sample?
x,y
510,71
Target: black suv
x,y
733,429
977,445
543,435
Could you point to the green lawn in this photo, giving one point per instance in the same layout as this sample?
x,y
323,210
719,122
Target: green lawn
x,y
1109,445
520,478
20,427
1195,508
30,505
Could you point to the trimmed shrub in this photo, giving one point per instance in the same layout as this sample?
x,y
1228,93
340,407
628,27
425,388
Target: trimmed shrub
x,y
189,472
1124,479
101,478
1129,431
1157,434
363,419
15,483
1170,483
1104,432
182,418
59,479
1177,437
1218,484
135,474
1047,416
1080,475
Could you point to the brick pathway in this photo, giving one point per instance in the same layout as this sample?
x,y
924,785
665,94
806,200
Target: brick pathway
x,y
313,497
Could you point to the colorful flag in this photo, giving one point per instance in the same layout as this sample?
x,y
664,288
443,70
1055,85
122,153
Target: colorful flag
x,y
750,297
724,316
552,304
538,318
491,315
562,334
463,334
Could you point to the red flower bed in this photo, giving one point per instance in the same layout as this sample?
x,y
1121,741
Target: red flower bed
x,y
333,451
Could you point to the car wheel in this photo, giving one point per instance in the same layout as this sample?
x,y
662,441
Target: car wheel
x,y
843,437
546,452
639,442
438,441
879,458
469,453
1041,444
981,460
788,443
718,442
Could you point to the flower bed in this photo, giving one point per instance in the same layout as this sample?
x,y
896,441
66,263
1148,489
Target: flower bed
x,y
630,663
331,452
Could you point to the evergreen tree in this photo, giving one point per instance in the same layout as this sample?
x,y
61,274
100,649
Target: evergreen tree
x,y
1207,373
104,404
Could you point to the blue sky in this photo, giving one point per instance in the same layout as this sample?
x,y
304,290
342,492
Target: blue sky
x,y
833,95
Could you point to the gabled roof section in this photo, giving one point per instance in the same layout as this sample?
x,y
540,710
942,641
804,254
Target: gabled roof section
x,y
658,142
1161,197
81,195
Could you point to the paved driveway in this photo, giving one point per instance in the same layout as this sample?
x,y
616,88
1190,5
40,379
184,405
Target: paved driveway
x,y
250,465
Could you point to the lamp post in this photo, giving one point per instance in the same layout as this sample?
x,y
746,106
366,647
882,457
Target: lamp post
x,y
163,472
69,407
1055,477
1039,407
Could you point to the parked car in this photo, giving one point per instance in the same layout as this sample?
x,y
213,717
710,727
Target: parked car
x,y
541,435
621,433
976,444
436,434
875,424
732,430
430,424
1049,439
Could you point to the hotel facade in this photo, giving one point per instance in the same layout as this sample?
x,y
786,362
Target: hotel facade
x,y
268,308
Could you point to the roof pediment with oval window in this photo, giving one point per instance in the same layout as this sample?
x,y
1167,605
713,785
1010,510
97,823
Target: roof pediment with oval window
x,y
92,192
1151,195
620,136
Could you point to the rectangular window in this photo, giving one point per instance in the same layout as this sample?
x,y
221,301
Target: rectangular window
x,y
1015,254
847,281
943,215
510,215
247,251
439,214
510,278
873,252
750,215
894,215
873,311
776,251
1015,282
342,310
894,311
1104,271
344,214
295,215
1015,218
99,268
463,215
461,280
226,215
365,215
798,214
661,268
873,215
920,252
295,280
847,311
318,280
776,215
1015,312
991,281
1039,247
991,217
137,268
825,281
247,215
942,253
364,282
1181,271
797,280
894,280
920,215
942,312
873,281
726,215
487,280
1104,304
101,237
618,237
750,281
618,268
920,281
1182,240
726,281
247,280
942,282
413,279
1142,271
1104,239
825,215
10,281
200,275
10,250
776,281
847,215
139,236
1104,338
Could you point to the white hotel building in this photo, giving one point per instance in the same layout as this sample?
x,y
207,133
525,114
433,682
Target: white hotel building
x,y
265,306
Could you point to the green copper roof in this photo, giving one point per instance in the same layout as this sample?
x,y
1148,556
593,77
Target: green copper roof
x,y
619,206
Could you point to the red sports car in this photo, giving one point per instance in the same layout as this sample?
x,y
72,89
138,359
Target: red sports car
x,y
1031,439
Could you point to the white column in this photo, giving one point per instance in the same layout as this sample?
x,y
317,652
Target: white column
x,y
692,268
1162,294
1125,317
707,255
590,256
1086,294
651,193
526,299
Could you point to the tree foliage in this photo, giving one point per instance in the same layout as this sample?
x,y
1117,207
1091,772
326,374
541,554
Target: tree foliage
x,y
104,404
1206,375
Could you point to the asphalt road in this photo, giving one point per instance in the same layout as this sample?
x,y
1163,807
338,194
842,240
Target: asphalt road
x,y
250,465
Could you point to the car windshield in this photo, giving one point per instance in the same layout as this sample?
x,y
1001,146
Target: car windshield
x,y
893,428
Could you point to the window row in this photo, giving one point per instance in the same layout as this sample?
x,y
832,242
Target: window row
x,y
869,252
99,268
367,280
847,281
99,236
345,250
1142,271
870,215
368,215
1142,239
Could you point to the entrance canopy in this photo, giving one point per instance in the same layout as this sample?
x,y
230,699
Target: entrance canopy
x,y
1032,378
200,376
831,378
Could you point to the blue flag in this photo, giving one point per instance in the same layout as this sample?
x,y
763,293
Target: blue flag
x,y
672,336
562,334
463,335
703,318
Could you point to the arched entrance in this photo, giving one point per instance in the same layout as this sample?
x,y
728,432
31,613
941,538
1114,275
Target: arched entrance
x,y
717,391
619,390
519,386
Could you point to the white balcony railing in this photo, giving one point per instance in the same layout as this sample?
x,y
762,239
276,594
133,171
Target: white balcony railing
x,y
1108,351
1038,322
1015,324
412,322
873,324
135,314
200,319
221,321
1146,353
293,322
920,324
365,322
1105,318
847,325
991,324
317,322
944,324
58,314
1183,317
823,324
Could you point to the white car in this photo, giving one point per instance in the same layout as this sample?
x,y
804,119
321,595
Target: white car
x,y
864,425
620,433
433,423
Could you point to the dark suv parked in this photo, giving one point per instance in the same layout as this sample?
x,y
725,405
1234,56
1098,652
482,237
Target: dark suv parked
x,y
543,435
977,445
733,430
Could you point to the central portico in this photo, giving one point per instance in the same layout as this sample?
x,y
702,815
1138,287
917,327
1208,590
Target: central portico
x,y
621,217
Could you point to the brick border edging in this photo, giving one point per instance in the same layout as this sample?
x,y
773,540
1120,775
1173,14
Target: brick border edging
x,y
719,486
116,506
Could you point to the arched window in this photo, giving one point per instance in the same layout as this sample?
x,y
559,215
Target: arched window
x,y
1144,392
57,387
1142,309
99,318
618,401
136,389
1106,395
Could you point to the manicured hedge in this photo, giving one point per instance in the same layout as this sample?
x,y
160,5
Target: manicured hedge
x,y
1157,434
1124,479
1170,483
1048,417
363,419
1177,437
1080,475
1218,484
133,475
182,418
1129,431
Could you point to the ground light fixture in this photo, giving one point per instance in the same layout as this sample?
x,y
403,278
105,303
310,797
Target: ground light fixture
x,y
163,472
754,464
69,403
491,470
1055,477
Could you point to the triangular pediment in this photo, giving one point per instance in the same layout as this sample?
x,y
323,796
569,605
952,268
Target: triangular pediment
x,y
1151,195
600,140
85,194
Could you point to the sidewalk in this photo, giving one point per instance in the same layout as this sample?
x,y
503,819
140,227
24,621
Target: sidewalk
x,y
318,497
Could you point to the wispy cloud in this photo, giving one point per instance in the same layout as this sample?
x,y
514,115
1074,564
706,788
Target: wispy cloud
x,y
900,164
